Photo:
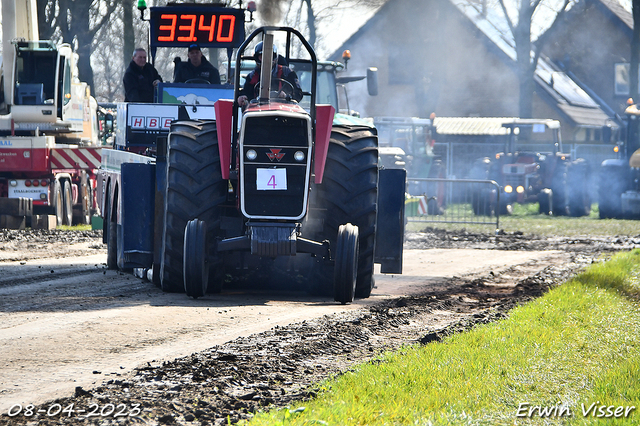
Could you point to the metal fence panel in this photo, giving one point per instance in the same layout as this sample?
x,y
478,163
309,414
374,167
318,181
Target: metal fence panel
x,y
458,157
454,201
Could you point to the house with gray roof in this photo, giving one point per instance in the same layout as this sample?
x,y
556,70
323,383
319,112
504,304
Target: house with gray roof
x,y
592,45
456,58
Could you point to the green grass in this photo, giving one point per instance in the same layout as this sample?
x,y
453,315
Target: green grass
x,y
526,219
75,227
578,344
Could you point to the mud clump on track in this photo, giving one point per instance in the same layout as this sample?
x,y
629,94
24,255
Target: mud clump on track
x,y
16,245
438,238
41,236
285,364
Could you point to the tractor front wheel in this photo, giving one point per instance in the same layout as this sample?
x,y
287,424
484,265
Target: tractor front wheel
x,y
346,264
196,267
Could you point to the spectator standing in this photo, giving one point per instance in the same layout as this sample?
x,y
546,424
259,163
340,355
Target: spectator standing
x,y
140,78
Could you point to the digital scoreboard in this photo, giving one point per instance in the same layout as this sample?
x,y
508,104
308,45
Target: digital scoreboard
x,y
181,26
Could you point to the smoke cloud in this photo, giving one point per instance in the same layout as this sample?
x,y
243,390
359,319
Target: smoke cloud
x,y
271,11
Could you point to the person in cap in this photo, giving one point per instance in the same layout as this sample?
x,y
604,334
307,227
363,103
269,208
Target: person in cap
x,y
280,75
140,78
197,67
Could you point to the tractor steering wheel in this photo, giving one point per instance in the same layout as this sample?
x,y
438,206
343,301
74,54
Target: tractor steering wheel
x,y
198,81
287,88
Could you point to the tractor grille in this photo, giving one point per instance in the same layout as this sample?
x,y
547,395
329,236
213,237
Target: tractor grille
x,y
514,180
275,183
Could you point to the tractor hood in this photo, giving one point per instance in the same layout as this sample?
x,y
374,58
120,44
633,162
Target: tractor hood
x,y
349,120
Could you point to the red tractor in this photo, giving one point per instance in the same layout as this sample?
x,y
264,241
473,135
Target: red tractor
x,y
280,186
273,189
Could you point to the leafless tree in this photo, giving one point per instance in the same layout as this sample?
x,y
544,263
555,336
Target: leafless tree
x,y
76,22
527,52
309,15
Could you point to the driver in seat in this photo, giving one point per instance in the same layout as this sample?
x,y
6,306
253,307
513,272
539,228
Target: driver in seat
x,y
280,75
196,68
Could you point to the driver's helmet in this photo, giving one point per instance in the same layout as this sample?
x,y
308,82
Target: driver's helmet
x,y
258,51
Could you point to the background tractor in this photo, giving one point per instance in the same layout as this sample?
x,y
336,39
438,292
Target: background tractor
x,y
525,175
407,142
619,179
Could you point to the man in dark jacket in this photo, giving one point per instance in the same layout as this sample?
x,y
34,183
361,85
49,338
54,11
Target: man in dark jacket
x,y
197,67
140,78
280,75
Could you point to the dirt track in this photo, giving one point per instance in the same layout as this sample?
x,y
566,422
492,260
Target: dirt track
x,y
240,350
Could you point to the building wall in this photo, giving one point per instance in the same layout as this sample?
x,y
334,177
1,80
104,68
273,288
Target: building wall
x,y
588,42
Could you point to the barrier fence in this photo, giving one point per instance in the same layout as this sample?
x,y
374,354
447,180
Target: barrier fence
x,y
454,201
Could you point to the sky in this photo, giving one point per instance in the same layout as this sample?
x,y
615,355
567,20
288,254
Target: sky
x,y
344,21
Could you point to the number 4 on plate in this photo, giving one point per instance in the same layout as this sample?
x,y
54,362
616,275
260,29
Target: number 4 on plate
x,y
271,179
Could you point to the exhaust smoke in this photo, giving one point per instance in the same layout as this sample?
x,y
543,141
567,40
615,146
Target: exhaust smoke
x,y
271,11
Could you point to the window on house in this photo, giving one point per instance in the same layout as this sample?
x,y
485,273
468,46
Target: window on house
x,y
621,81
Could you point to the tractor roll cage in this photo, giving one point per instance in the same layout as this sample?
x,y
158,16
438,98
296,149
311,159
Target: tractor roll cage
x,y
241,56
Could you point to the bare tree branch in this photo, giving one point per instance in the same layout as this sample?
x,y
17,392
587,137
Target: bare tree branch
x,y
506,16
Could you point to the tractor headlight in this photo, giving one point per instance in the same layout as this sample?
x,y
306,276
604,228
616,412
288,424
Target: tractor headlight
x,y
299,156
520,189
252,154
508,189
13,182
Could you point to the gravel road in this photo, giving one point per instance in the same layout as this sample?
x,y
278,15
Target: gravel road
x,y
108,348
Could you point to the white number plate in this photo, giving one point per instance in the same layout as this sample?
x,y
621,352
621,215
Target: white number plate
x,y
271,179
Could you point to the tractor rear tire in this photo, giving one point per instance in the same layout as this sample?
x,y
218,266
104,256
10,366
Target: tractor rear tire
x,y
577,182
196,267
545,201
194,189
613,181
481,201
349,193
346,264
560,190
